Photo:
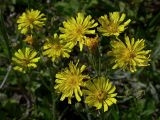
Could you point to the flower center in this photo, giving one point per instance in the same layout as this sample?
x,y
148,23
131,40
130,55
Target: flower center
x,y
112,27
79,29
31,19
78,32
25,62
101,95
73,81
132,55
56,47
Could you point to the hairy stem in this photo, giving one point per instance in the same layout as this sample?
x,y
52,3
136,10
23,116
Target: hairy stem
x,y
6,76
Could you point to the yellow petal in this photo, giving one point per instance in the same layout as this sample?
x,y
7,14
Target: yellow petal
x,y
77,95
108,102
122,18
113,100
105,107
128,42
112,90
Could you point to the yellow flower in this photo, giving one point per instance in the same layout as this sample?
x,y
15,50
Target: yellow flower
x,y
25,59
92,43
55,48
112,24
75,29
31,19
29,39
100,93
70,81
130,54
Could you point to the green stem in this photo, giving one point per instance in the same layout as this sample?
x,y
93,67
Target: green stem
x,y
102,112
51,89
28,4
99,61
88,115
6,76
53,106
92,61
54,117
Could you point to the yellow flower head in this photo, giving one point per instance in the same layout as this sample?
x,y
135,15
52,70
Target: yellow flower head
x,y
100,93
130,54
92,43
29,39
56,48
70,81
112,24
75,29
31,19
25,59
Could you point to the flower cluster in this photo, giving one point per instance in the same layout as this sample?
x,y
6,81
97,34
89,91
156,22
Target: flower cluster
x,y
76,29
112,24
55,48
69,82
24,59
100,92
130,54
29,20
74,81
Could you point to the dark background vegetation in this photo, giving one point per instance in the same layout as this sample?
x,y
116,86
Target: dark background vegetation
x,y
28,96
